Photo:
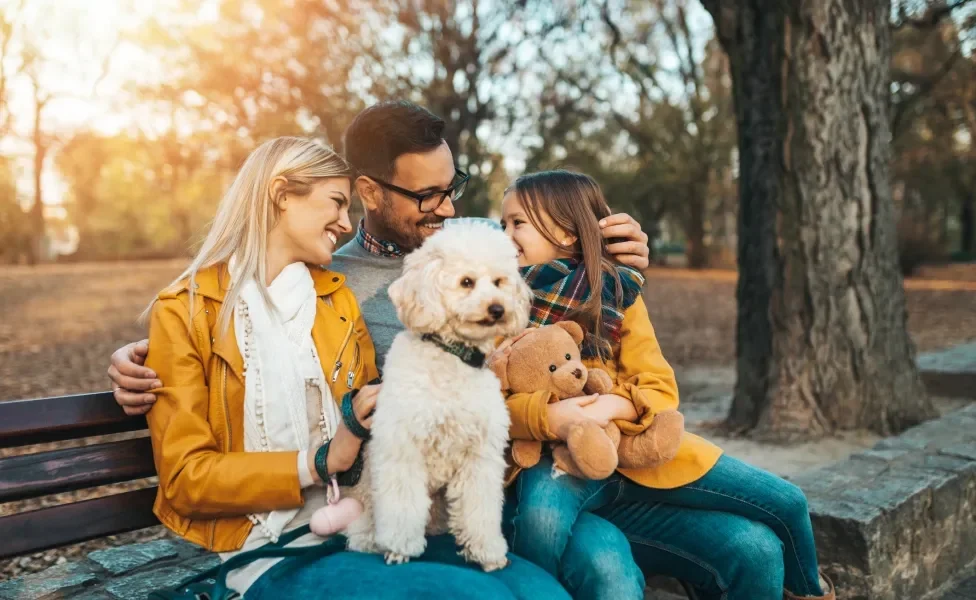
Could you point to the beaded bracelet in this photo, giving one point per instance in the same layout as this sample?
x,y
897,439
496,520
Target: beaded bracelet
x,y
322,461
349,417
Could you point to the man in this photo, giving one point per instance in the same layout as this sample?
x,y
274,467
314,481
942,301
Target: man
x,y
410,186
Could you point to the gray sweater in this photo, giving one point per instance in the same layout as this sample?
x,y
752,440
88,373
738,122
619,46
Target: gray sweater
x,y
368,276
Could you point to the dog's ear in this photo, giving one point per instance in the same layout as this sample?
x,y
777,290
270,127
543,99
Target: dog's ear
x,y
416,294
522,305
573,328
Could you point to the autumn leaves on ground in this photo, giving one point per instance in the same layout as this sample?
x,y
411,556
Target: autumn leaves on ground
x,y
60,323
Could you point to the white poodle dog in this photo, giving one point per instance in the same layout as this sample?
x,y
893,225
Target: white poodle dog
x,y
436,454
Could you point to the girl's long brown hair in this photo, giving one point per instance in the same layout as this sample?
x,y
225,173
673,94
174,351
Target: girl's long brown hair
x,y
575,203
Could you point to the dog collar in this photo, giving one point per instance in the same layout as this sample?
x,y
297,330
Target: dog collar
x,y
469,355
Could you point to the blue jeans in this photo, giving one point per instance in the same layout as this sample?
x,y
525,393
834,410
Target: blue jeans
x,y
597,562
737,533
439,574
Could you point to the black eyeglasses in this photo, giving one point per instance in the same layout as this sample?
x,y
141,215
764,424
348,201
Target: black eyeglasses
x,y
428,202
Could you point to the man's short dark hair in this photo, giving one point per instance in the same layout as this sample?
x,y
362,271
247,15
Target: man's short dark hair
x,y
385,131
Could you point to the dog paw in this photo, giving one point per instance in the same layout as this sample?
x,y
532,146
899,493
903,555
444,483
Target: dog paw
x,y
495,565
362,544
402,550
493,555
394,558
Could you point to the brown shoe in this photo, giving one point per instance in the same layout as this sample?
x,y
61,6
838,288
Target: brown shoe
x,y
825,584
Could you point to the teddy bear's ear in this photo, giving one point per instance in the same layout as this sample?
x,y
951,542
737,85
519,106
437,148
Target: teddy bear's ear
x,y
499,366
573,328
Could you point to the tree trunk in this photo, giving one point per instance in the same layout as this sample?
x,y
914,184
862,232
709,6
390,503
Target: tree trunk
x,y
36,217
35,249
695,229
821,340
967,224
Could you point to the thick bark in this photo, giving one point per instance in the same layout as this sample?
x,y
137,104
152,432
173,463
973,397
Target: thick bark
x,y
821,340
967,223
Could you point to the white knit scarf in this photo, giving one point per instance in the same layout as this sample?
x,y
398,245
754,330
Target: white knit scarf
x,y
273,344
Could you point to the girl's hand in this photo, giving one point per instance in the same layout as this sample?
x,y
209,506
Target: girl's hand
x,y
506,346
612,408
345,445
566,412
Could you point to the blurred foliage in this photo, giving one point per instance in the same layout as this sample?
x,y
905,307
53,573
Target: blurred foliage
x,y
13,219
634,92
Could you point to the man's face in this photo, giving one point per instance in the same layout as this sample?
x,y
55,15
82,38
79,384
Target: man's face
x,y
397,217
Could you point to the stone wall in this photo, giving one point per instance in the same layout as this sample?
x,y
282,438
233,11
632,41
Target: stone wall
x,y
950,372
125,573
899,520
892,523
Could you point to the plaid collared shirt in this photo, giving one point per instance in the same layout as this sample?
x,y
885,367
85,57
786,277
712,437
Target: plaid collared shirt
x,y
374,245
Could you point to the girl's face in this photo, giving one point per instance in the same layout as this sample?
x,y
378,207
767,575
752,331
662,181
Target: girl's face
x,y
310,225
533,247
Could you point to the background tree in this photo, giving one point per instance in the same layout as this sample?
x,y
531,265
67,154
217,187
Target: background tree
x,y
821,332
933,118
636,94
13,222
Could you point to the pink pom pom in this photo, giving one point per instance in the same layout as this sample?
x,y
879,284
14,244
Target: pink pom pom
x,y
333,518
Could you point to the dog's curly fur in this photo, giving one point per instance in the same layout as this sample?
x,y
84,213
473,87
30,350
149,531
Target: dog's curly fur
x,y
436,456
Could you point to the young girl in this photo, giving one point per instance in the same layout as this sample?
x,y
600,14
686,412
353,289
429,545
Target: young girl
x,y
731,530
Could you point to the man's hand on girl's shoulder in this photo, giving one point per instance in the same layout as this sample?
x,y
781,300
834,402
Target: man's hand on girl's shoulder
x,y
132,383
628,241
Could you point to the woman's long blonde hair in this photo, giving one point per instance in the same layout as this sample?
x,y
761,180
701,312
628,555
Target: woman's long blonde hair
x,y
248,212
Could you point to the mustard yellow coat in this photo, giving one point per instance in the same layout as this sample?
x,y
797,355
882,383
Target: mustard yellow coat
x,y
641,374
207,483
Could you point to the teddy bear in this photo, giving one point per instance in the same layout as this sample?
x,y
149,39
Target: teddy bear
x,y
548,359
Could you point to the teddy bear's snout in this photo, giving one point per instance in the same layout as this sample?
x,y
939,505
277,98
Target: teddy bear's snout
x,y
569,379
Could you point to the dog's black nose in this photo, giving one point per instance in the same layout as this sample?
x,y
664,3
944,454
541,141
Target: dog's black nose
x,y
578,373
497,311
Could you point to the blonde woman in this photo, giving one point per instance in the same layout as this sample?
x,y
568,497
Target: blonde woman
x,y
258,346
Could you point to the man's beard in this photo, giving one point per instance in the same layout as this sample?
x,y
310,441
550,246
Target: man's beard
x,y
404,233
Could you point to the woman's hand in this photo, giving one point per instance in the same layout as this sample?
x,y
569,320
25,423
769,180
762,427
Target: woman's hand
x,y
345,445
565,413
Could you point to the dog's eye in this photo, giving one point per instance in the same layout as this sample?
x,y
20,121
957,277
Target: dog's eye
x,y
568,357
499,282
467,282
552,368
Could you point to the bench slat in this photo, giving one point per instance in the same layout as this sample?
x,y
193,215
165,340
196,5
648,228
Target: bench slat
x,y
37,530
72,469
24,422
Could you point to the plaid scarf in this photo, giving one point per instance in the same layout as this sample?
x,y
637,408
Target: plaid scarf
x,y
560,287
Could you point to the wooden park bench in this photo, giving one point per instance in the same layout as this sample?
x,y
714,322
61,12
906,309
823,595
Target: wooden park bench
x,y
897,472
29,422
